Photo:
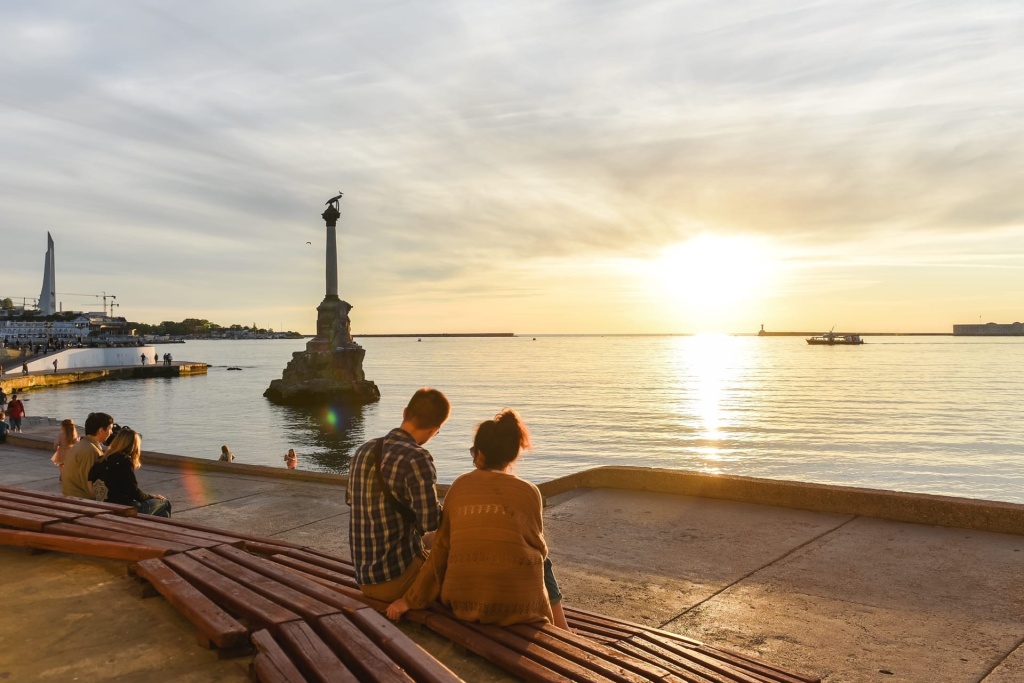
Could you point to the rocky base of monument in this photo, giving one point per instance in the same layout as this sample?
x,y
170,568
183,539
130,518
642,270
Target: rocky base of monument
x,y
315,378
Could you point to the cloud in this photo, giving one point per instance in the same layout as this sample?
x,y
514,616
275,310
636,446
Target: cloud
x,y
199,142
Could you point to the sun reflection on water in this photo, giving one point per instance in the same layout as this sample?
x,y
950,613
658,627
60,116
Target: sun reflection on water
x,y
707,366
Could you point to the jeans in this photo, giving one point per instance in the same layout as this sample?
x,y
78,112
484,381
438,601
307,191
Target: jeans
x,y
161,507
554,595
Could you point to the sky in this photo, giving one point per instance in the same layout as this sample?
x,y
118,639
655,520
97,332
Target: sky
x,y
528,167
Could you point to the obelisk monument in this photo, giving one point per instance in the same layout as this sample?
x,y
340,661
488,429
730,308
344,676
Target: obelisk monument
x,y
331,367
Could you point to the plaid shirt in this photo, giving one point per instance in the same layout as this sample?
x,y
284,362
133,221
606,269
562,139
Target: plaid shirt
x,y
383,544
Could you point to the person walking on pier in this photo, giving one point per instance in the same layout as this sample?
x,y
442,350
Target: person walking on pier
x,y
392,489
16,411
55,366
74,479
143,357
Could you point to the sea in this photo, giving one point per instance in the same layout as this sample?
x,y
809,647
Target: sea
x,y
941,415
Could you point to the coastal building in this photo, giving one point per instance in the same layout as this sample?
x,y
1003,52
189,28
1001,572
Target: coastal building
x,y
74,331
989,330
48,293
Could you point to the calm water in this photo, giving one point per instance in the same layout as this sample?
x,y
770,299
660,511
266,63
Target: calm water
x,y
929,414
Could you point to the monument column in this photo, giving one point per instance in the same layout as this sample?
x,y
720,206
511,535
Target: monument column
x,y
331,216
331,367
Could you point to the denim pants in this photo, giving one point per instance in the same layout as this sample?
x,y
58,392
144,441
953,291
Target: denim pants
x,y
161,507
554,595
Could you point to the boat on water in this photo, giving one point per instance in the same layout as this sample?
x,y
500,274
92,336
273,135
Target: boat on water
x,y
832,339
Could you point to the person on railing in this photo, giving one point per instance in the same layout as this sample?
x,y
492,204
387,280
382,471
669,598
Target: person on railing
x,y
489,560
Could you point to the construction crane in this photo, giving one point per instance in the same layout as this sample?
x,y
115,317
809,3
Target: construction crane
x,y
103,296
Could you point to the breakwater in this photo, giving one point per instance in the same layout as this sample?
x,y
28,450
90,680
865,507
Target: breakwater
x,y
40,380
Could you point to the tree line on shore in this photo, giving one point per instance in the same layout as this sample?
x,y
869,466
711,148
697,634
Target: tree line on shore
x,y
200,327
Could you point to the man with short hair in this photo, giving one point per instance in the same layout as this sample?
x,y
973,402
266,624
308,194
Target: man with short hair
x,y
16,411
74,480
392,488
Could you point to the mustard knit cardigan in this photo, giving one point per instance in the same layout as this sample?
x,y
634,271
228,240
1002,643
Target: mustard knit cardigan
x,y
487,563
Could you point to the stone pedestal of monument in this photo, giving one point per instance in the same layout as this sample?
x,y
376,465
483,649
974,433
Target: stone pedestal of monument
x,y
330,370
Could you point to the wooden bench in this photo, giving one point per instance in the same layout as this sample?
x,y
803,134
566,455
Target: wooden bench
x,y
215,626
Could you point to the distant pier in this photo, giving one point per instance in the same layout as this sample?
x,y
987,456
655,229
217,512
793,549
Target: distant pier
x,y
443,334
16,381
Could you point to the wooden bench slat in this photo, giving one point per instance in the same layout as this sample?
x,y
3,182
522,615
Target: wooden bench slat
x,y
289,578
306,568
552,659
721,665
581,649
687,670
363,656
303,556
41,509
733,658
289,598
140,522
224,532
271,663
509,660
26,521
53,498
66,505
419,663
205,615
104,533
114,523
230,595
79,546
312,655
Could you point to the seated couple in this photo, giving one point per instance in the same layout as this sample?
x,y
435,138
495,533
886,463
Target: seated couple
x,y
107,473
489,559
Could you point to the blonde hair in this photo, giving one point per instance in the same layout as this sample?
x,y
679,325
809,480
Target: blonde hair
x,y
67,428
290,455
129,443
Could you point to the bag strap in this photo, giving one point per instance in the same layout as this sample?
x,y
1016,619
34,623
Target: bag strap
x,y
375,457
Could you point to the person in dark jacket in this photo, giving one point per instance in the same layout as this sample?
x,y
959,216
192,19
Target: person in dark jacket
x,y
113,477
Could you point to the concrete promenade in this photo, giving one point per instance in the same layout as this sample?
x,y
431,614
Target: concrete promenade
x,y
843,595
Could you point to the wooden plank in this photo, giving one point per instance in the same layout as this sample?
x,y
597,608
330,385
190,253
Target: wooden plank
x,y
305,567
419,663
671,641
106,534
551,659
48,498
289,578
79,546
509,660
226,532
113,523
232,596
140,522
312,656
299,603
27,521
721,665
310,558
360,654
62,515
205,615
271,664
76,505
688,671
582,649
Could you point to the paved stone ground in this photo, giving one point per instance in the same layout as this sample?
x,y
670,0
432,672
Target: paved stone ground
x,y
847,598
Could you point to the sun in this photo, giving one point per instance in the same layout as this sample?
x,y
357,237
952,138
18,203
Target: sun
x,y
715,281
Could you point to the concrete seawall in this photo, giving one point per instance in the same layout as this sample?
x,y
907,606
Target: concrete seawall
x,y
916,508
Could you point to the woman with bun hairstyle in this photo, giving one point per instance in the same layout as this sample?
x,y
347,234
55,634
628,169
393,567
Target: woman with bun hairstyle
x,y
488,560
113,476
